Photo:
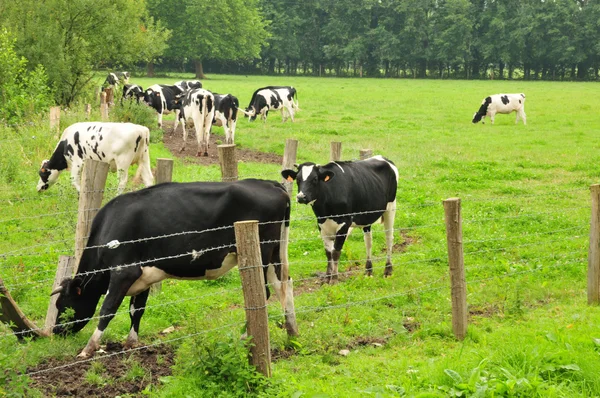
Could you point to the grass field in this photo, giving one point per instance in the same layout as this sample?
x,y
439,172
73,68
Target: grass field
x,y
525,207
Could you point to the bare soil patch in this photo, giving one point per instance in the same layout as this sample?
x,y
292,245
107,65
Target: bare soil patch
x,y
174,141
128,373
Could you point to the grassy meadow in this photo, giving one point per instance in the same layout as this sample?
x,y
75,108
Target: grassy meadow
x,y
526,214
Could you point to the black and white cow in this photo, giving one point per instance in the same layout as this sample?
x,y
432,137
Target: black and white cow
x,y
348,194
115,78
272,97
118,144
131,91
501,103
161,97
188,84
226,107
139,241
198,105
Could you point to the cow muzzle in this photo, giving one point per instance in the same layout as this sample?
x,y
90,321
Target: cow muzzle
x,y
301,198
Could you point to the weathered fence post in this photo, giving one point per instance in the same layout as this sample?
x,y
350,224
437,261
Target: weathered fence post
x,y
289,158
336,151
110,96
66,267
457,267
228,162
88,110
593,275
93,180
55,118
255,299
164,173
365,153
11,314
103,107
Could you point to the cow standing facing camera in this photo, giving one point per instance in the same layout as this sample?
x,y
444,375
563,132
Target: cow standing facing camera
x,y
349,194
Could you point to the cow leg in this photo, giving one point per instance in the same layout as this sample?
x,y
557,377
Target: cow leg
x,y
388,224
285,294
185,134
333,242
76,175
160,119
521,112
177,112
117,289
492,115
207,125
368,245
232,124
137,305
290,110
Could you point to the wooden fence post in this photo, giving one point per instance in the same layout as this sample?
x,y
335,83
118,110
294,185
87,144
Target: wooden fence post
x,y
228,162
103,107
255,299
88,110
164,173
336,151
66,267
457,267
93,180
289,158
55,119
593,275
365,153
11,314
110,96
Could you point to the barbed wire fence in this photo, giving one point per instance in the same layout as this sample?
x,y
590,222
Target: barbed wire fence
x,y
36,271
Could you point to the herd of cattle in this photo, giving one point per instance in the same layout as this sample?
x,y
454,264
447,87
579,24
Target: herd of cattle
x,y
184,230
189,101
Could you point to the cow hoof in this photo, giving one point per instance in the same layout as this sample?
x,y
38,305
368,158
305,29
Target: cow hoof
x,y
182,149
206,154
369,273
83,355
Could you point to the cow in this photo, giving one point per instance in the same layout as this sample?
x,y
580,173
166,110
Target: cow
x,y
188,84
272,97
501,103
131,91
348,194
198,105
226,107
118,144
115,78
161,97
135,241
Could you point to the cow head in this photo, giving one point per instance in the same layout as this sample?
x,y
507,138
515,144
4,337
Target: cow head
x,y
309,178
482,110
47,176
71,295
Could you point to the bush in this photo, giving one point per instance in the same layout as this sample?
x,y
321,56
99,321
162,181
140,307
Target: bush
x,y
132,112
22,93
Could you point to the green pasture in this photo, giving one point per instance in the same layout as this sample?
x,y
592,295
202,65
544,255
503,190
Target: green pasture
x,y
526,213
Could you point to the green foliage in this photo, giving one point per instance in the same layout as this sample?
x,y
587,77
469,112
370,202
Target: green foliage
x,y
23,93
129,111
216,368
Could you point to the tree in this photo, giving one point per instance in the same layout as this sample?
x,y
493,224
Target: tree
x,y
226,30
71,38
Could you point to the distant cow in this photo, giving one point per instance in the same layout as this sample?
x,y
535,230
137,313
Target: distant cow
x,y
161,97
115,78
131,91
226,107
347,194
156,233
188,84
501,103
272,97
118,144
198,105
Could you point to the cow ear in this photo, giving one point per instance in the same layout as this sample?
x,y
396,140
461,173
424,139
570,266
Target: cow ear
x,y
289,175
326,175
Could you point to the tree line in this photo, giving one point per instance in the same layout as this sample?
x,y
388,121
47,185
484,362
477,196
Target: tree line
x,y
66,41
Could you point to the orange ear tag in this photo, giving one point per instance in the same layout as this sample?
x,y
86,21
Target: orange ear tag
x,y
78,291
43,170
326,178
290,179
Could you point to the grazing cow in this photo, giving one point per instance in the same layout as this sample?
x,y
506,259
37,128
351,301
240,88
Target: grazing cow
x,y
138,241
501,103
188,84
161,97
199,105
348,194
131,91
114,78
118,144
272,97
226,107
